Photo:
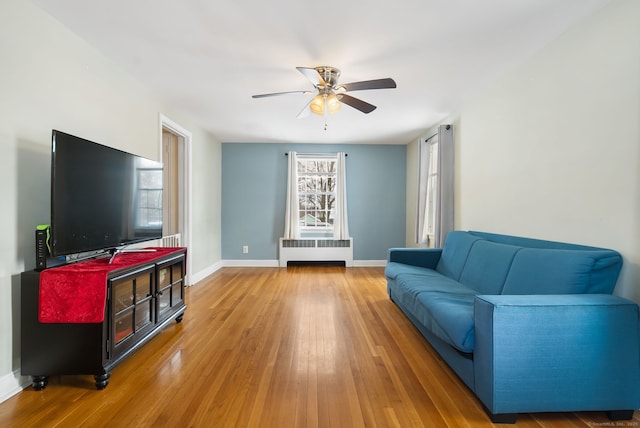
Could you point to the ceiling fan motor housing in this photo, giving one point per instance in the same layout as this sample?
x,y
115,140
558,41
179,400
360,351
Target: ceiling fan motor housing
x,y
329,74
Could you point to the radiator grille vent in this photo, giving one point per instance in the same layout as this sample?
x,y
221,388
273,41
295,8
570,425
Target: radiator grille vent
x,y
337,243
298,243
312,243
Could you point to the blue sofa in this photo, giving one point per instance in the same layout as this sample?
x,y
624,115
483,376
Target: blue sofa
x,y
528,325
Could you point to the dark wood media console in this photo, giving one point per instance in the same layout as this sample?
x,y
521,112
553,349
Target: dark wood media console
x,y
141,300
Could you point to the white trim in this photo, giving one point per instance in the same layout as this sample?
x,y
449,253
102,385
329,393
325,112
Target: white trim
x,y
166,123
369,263
276,263
203,274
11,384
250,263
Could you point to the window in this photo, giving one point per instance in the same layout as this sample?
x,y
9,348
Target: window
x,y
317,179
149,191
435,216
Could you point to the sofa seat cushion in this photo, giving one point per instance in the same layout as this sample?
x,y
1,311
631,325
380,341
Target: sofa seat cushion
x,y
442,305
413,284
450,317
393,269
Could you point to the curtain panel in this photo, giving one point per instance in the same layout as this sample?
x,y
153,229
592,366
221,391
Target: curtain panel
x,y
341,220
291,221
442,189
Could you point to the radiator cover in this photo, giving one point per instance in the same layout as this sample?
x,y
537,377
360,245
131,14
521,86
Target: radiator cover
x,y
316,249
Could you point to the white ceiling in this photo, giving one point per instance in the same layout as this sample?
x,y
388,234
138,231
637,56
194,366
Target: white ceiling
x,y
207,57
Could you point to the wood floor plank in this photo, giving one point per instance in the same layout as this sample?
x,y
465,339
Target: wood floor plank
x,y
273,347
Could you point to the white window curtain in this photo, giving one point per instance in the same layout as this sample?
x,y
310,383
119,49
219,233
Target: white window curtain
x,y
292,222
341,220
436,186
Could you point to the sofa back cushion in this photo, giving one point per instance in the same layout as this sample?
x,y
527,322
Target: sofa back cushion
x,y
455,252
487,266
554,271
502,264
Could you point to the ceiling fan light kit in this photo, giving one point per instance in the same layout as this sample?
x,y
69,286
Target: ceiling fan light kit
x,y
330,96
333,103
317,105
320,101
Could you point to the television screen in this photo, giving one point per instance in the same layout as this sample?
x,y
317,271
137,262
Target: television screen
x,y
101,198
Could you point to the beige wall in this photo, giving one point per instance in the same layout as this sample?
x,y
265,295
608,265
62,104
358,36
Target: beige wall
x,y
49,78
552,149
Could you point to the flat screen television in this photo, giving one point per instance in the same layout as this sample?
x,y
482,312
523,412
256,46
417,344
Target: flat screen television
x,y
101,198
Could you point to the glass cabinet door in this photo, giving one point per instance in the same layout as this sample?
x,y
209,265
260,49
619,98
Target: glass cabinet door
x,y
144,300
177,287
170,287
123,310
132,308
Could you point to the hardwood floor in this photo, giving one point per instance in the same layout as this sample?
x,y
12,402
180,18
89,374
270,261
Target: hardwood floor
x,y
272,347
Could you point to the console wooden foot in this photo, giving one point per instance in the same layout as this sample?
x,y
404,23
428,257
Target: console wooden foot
x,y
39,382
102,380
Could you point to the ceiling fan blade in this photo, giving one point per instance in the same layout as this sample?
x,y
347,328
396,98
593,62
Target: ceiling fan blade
x,y
306,111
387,83
356,103
280,93
313,75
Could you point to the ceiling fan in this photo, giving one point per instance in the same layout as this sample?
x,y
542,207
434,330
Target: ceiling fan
x,y
330,95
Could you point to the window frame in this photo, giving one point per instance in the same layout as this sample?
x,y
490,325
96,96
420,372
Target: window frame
x,y
141,190
305,175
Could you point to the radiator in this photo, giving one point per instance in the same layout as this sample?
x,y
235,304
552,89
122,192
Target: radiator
x,y
171,240
317,250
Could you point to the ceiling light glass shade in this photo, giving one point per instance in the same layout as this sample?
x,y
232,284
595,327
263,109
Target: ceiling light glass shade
x,y
317,105
333,104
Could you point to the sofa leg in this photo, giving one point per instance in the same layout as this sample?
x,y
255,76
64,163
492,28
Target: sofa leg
x,y
501,418
620,415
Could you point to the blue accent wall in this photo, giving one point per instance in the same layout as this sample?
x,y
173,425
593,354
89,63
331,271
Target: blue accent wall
x,y
254,185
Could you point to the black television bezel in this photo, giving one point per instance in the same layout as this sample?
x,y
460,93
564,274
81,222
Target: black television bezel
x,y
156,233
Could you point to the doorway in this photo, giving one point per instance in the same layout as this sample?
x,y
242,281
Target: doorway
x,y
172,145
175,154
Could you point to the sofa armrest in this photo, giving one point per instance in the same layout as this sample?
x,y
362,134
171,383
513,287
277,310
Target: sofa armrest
x,y
423,257
556,353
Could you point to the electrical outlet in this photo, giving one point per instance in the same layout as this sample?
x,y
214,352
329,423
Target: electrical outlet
x,y
245,249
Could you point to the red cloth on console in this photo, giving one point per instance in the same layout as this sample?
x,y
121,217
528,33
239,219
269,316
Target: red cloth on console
x,y
77,293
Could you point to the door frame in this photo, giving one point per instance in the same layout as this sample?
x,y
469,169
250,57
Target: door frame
x,y
186,192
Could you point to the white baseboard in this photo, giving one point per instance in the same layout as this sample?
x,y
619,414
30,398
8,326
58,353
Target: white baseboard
x,y
276,263
11,384
369,263
197,277
250,263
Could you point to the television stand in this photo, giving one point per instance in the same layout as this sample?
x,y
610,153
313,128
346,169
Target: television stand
x,y
142,297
